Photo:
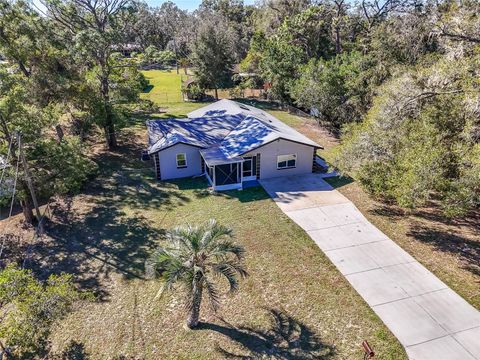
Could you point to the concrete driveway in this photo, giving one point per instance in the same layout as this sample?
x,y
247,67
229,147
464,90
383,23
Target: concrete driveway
x,y
428,318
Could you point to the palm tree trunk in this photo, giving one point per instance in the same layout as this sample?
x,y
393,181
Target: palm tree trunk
x,y
196,302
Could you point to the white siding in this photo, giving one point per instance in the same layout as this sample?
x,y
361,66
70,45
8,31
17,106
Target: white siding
x,y
168,162
268,158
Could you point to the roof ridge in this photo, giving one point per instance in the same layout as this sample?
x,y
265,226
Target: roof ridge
x,y
241,122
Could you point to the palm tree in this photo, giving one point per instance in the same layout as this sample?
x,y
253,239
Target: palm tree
x,y
183,62
197,256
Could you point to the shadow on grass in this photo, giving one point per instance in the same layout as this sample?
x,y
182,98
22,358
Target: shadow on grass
x,y
201,189
285,338
390,211
247,195
12,249
444,234
339,181
147,89
193,183
73,351
468,251
108,234
172,116
95,245
260,104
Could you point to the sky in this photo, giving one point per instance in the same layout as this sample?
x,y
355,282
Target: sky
x,y
187,4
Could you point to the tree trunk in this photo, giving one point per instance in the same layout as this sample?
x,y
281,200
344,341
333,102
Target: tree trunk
x,y
216,93
60,133
338,43
5,129
109,127
23,69
176,55
110,134
27,209
194,315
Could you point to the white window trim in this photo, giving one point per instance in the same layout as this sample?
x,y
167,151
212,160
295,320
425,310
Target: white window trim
x,y
287,167
176,160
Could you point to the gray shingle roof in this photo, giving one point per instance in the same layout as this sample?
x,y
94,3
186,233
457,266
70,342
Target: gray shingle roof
x,y
229,127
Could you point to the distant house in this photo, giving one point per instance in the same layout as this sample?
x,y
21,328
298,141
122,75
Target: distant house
x,y
191,90
229,143
127,49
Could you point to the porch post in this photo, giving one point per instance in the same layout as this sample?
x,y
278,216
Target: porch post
x,y
214,178
241,173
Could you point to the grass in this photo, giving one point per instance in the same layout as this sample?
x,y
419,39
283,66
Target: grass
x,y
448,248
165,91
294,304
104,234
165,86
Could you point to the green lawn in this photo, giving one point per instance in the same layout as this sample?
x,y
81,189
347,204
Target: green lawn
x,y
295,304
165,86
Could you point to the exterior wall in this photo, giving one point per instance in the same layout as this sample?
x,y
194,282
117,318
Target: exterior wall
x,y
268,158
168,162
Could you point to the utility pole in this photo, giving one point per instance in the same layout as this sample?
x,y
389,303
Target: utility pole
x,y
29,183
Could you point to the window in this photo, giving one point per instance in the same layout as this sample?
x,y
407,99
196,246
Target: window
x,y
286,161
181,160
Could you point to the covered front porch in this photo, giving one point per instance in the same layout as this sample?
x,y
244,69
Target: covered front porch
x,y
227,173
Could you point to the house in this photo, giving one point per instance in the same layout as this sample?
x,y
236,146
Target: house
x,y
230,143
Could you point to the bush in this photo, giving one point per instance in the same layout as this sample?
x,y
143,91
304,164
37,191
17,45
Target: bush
x,y
29,308
419,141
195,92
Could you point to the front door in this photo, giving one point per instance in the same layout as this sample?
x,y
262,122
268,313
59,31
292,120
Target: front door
x,y
249,168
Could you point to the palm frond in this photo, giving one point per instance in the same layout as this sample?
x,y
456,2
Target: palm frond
x,y
180,237
158,262
213,294
230,269
192,254
226,247
213,232
174,272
